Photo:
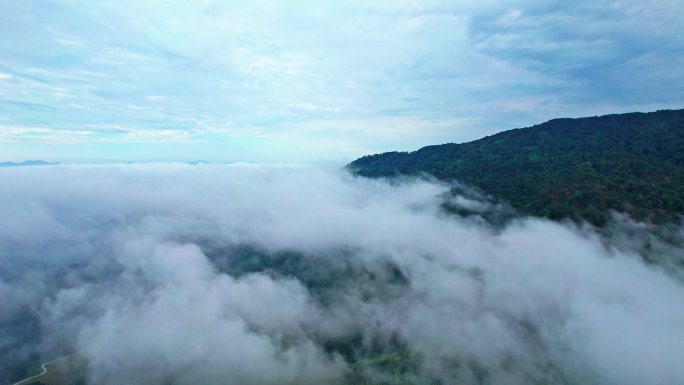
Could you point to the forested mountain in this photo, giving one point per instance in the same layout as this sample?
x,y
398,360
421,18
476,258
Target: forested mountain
x,y
564,168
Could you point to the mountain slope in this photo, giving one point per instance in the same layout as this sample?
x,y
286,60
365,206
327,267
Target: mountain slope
x,y
576,168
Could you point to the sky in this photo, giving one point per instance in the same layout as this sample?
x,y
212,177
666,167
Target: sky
x,y
310,81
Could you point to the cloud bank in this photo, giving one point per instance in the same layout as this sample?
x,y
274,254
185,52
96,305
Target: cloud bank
x,y
240,274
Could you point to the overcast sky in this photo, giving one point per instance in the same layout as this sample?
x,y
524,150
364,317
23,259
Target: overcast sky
x,y
314,80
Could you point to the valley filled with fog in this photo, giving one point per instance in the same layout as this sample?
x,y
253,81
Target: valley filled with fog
x,y
264,274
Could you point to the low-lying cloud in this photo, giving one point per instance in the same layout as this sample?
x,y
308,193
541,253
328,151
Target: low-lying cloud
x,y
238,274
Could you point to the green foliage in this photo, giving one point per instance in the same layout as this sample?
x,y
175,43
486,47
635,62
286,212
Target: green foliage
x,y
564,168
33,370
398,367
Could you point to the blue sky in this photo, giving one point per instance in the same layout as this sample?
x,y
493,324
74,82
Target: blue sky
x,y
300,81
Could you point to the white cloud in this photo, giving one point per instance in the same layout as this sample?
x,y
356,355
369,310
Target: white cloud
x,y
155,98
137,267
265,64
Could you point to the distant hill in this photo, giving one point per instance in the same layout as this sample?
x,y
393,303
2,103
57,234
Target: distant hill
x,y
26,163
196,162
564,168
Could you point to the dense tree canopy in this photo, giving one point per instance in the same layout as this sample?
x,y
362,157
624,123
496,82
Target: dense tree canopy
x,y
564,168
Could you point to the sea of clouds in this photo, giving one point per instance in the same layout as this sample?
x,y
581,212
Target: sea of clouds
x,y
145,272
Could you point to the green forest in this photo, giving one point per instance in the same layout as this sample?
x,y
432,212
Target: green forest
x,y
565,168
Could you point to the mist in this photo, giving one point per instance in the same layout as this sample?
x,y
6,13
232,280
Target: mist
x,y
245,274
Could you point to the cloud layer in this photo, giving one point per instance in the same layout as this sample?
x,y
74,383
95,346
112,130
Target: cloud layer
x,y
300,80
254,275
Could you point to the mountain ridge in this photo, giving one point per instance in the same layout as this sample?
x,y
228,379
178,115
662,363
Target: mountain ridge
x,y
27,163
579,168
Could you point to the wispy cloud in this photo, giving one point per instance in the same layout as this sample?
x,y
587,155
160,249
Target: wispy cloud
x,y
283,67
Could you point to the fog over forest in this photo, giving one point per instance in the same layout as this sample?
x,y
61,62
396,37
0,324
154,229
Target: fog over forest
x,y
264,274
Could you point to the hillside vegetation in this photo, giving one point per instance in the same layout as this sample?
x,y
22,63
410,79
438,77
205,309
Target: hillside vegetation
x,y
564,168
